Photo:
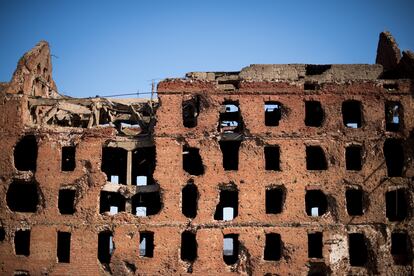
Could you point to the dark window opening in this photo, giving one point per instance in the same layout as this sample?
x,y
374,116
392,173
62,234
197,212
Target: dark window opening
x,y
111,202
273,113
316,69
66,201
396,205
353,158
230,151
227,209
354,202
23,196
275,197
230,119
63,247
192,162
105,247
68,158
22,242
146,204
314,114
358,251
230,248
319,269
390,86
394,157
310,85
143,166
401,248
315,245
273,247
114,164
393,116
190,200
316,203
146,244
2,234
190,110
21,273
188,246
352,113
315,158
272,158
25,154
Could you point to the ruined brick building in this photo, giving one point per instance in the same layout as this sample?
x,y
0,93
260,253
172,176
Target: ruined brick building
x,y
274,170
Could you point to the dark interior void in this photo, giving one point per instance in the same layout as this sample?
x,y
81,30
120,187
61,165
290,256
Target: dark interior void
x,y
188,246
315,158
230,151
315,245
189,200
314,114
354,202
352,113
143,164
318,269
105,247
68,158
22,242
228,199
114,163
147,204
25,154
310,85
273,113
146,244
63,247
316,69
2,234
192,162
111,199
66,201
316,203
394,157
353,158
23,196
273,247
393,116
230,248
190,110
230,119
358,251
275,197
272,158
396,205
401,249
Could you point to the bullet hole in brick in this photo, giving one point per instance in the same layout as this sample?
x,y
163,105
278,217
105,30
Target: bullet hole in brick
x,y
401,248
275,197
68,158
314,114
230,151
114,163
316,69
66,201
227,209
143,166
315,245
22,242
2,234
316,203
190,200
146,244
352,113
354,202
273,113
188,246
315,158
111,202
192,162
390,86
105,247
358,251
191,110
23,196
63,247
393,116
25,154
273,247
230,248
272,158
396,205
394,157
146,204
353,158
310,85
230,119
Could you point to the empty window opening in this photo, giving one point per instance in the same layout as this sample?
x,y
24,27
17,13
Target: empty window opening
x,y
230,248
146,204
23,196
146,244
21,273
316,203
272,158
390,86
68,158
2,234
401,248
273,247
192,162
315,158
111,202
105,246
273,113
314,114
316,69
230,151
319,269
353,158
190,200
63,247
354,202
393,116
22,242
394,157
396,205
25,154
352,113
358,251
191,110
188,246
310,85
66,201
143,166
227,209
230,119
114,163
275,197
315,245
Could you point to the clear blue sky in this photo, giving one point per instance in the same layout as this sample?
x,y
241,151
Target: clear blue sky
x,y
111,47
